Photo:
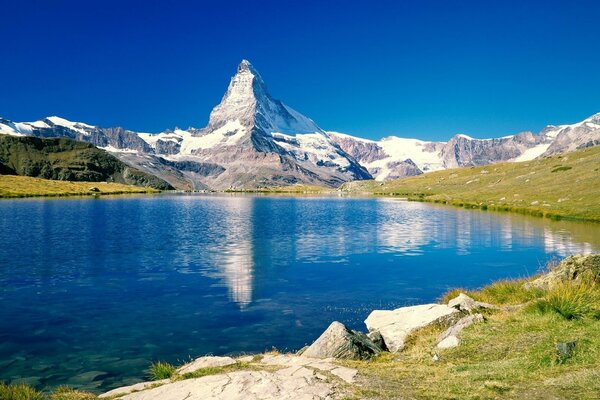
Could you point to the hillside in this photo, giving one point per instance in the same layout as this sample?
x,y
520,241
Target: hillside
x,y
25,186
560,186
68,160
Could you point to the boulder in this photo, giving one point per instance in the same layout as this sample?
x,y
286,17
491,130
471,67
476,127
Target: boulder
x,y
449,338
395,325
340,342
572,269
205,362
462,302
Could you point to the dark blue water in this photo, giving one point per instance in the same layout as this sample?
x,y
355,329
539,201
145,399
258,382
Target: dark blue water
x,y
93,290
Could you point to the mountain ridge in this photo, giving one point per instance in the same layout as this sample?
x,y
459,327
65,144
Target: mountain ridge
x,y
253,141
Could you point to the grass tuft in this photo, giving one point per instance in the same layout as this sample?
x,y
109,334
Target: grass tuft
x,y
67,393
19,392
504,292
161,370
570,301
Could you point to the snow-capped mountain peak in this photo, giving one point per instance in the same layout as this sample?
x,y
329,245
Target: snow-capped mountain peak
x,y
248,101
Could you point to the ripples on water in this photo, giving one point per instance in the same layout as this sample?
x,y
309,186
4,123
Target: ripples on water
x,y
93,290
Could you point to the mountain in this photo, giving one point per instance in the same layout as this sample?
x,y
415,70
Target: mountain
x,y
253,141
386,159
67,159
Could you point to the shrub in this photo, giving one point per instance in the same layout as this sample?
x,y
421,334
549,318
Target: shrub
x,y
563,168
19,392
161,370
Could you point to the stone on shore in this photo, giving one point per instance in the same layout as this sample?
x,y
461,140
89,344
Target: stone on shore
x,y
449,338
205,362
462,302
340,342
395,325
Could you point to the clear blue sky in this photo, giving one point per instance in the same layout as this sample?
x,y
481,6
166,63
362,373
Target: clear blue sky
x,y
426,69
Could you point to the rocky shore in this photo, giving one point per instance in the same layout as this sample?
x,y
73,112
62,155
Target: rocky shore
x,y
530,338
315,371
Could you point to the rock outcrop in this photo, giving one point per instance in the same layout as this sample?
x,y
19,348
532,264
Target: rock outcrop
x,y
340,342
449,338
572,269
462,302
295,378
396,325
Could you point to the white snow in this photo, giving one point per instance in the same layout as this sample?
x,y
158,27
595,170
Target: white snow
x,y
532,153
398,150
112,149
313,147
228,135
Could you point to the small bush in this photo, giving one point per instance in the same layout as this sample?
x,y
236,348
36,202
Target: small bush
x,y
67,393
19,392
161,370
570,301
563,168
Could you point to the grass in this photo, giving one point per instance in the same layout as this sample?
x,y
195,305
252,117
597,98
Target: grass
x,y
564,186
161,370
512,355
503,292
24,186
290,189
25,392
19,392
67,393
570,302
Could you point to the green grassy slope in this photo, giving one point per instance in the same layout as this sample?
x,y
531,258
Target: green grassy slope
x,y
68,160
25,186
562,186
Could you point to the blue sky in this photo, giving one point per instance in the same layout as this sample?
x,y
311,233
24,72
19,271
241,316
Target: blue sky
x,y
425,69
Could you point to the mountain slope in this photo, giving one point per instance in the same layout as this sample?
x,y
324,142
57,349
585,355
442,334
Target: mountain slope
x,y
562,185
66,159
384,159
254,141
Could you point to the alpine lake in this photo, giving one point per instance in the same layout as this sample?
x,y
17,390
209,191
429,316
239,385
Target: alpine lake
x,y
94,290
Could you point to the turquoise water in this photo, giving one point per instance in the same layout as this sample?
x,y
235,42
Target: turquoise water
x,y
93,290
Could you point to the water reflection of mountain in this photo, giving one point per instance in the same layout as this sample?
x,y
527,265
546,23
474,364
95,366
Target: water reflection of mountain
x,y
259,233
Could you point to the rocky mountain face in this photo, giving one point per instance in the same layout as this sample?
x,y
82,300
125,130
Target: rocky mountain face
x,y
253,140
66,159
386,159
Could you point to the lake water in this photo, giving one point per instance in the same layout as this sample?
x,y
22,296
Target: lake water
x,y
93,290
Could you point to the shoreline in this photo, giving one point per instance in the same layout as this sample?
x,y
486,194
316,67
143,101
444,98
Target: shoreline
x,y
551,214
508,339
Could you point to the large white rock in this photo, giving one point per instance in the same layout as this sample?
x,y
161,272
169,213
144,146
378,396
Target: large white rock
x,y
134,388
293,383
205,362
396,325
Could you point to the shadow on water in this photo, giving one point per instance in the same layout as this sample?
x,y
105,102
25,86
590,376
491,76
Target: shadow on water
x,y
92,291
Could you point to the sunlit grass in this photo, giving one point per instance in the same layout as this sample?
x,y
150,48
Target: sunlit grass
x,y
24,186
561,186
